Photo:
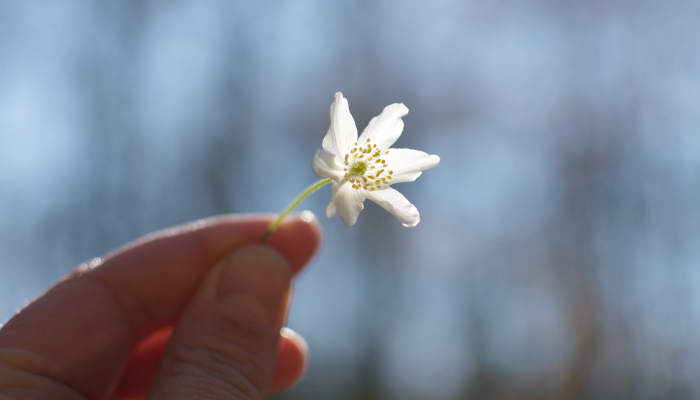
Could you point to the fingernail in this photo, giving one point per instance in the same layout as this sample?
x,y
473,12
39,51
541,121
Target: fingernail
x,y
255,285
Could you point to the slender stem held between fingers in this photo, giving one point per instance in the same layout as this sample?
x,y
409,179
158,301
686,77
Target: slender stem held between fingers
x,y
292,206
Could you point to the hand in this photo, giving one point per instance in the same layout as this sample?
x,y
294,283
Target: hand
x,y
189,312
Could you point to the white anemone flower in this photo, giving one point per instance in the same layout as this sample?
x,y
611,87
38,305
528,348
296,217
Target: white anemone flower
x,y
366,167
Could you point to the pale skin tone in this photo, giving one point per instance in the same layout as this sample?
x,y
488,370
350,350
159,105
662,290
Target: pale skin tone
x,y
194,311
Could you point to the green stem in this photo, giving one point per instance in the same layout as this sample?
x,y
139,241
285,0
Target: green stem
x,y
295,203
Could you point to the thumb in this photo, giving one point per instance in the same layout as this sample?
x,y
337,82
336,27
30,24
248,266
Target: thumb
x,y
225,343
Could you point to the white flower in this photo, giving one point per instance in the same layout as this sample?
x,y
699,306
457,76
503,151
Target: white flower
x,y
365,167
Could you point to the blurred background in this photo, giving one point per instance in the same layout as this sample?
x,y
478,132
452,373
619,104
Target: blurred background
x,y
558,255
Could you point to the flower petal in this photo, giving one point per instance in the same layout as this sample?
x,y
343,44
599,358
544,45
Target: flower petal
x,y
408,164
342,132
384,129
394,202
346,202
326,165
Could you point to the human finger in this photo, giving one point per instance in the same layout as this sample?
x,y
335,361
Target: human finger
x,y
226,340
290,364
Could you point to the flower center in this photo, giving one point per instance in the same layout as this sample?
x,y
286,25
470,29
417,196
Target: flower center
x,y
365,168
358,168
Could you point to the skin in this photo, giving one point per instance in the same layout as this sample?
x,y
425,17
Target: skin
x,y
194,311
